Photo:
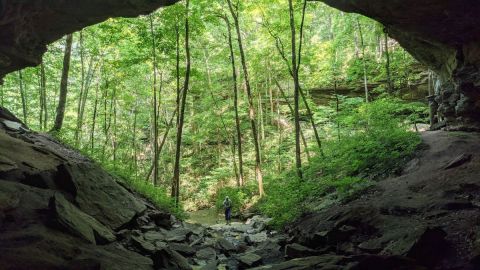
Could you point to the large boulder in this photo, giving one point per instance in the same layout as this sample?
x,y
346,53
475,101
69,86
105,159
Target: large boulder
x,y
39,160
58,210
70,218
28,241
99,195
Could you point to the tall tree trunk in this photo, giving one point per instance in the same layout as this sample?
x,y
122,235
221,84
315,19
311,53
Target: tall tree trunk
x,y
2,95
40,100
280,138
177,75
42,90
82,87
62,100
298,158
304,98
83,101
364,60
134,142
43,86
281,51
177,68
155,106
391,88
176,170
23,96
258,165
260,116
94,120
114,138
107,118
235,101
270,94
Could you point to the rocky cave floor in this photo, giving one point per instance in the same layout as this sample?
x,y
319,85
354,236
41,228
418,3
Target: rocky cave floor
x,y
58,210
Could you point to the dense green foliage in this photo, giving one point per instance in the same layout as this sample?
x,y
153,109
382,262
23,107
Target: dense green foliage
x,y
374,142
112,76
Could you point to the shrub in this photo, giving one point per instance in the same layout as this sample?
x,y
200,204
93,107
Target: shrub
x,y
374,143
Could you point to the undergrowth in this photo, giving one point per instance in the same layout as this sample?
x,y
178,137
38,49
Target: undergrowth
x,y
157,195
373,142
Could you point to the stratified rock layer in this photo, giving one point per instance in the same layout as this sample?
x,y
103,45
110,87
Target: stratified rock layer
x,y
443,34
26,27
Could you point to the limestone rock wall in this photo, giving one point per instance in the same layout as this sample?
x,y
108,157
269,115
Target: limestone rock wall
x,y
443,34
27,26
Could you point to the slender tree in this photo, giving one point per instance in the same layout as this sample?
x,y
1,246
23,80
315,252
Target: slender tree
x,y
302,135
364,60
176,170
43,98
23,96
391,88
258,166
82,87
298,158
281,50
62,100
94,120
154,105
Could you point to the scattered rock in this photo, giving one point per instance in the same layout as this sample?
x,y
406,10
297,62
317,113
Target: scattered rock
x,y
182,248
196,229
458,161
256,238
249,259
142,245
225,245
161,219
178,235
212,265
147,228
372,246
299,251
270,252
11,125
170,259
324,262
206,254
386,262
430,248
153,236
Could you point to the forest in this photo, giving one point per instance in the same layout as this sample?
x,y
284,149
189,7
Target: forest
x,y
284,106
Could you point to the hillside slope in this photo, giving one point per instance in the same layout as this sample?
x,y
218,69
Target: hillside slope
x,y
429,215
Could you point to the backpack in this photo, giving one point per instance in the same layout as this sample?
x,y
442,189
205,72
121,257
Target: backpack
x,y
227,204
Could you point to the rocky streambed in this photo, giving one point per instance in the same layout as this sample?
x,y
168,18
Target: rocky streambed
x,y
179,245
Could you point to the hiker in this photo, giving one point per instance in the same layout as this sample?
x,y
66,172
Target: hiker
x,y
227,204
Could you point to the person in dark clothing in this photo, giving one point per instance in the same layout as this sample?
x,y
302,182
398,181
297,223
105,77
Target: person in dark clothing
x,y
227,205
